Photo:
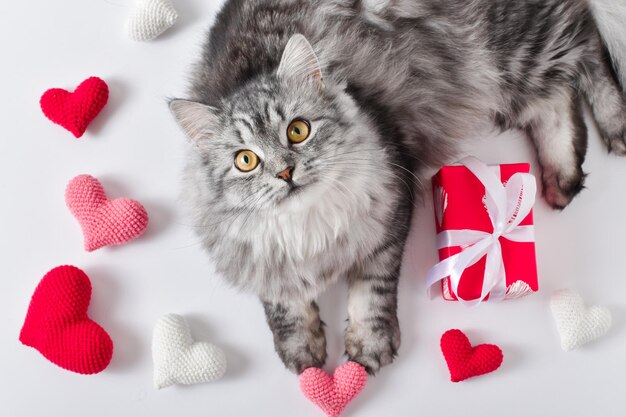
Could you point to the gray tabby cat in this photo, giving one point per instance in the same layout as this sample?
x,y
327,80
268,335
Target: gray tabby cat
x,y
313,122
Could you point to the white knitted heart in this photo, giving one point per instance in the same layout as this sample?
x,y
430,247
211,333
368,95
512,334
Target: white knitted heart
x,y
178,359
576,323
150,18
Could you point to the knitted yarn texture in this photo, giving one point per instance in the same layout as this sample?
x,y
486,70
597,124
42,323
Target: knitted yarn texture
x,y
104,222
149,19
178,359
74,111
333,393
576,323
57,324
465,361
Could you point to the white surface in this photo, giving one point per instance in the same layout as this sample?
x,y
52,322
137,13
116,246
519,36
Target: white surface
x,y
136,150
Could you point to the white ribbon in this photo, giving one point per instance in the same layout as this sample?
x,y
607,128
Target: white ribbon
x,y
507,207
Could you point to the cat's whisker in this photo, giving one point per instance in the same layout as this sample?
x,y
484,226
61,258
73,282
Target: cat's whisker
x,y
248,214
244,205
411,190
369,151
339,183
351,162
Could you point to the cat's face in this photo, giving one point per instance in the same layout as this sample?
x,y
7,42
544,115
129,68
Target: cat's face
x,y
281,141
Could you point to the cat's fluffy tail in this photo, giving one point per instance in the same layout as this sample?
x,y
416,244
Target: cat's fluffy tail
x,y
610,17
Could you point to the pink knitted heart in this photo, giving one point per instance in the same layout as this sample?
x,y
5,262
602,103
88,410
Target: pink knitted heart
x,y
104,222
332,394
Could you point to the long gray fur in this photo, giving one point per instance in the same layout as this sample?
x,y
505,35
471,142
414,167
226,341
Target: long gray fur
x,y
402,83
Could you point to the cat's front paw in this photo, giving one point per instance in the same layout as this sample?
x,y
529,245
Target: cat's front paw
x,y
301,350
373,345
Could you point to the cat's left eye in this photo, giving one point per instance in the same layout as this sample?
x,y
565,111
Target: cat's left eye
x,y
298,130
246,160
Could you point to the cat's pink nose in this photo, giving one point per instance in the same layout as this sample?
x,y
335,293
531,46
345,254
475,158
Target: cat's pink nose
x,y
285,174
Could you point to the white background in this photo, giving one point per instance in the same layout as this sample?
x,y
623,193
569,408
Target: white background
x,y
136,150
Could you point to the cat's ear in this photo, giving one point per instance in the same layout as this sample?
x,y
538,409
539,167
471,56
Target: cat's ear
x,y
198,120
299,61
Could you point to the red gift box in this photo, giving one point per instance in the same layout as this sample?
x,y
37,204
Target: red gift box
x,y
460,204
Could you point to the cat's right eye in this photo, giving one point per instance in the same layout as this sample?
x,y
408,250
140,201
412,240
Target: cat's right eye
x,y
246,160
298,130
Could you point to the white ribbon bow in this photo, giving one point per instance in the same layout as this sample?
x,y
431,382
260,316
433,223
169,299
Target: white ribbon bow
x,y
507,206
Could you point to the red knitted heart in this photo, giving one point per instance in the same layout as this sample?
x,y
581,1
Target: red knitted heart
x,y
104,222
332,394
465,361
57,324
74,111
